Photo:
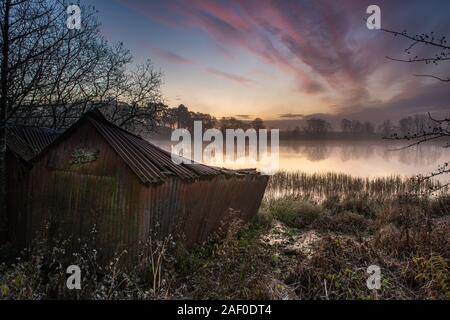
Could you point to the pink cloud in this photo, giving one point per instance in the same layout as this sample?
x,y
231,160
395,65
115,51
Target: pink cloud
x,y
172,57
325,49
260,32
230,76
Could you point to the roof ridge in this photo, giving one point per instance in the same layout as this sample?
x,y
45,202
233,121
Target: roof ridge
x,y
127,154
97,113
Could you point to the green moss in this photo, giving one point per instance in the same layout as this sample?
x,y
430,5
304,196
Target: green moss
x,y
83,155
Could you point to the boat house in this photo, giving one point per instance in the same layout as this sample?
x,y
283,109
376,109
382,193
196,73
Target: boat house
x,y
96,174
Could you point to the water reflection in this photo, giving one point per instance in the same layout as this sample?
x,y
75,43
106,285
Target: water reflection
x,y
423,155
359,158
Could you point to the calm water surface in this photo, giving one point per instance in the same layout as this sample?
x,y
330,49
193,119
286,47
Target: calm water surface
x,y
358,158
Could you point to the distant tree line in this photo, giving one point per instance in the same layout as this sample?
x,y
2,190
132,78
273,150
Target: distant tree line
x,y
181,117
356,126
316,127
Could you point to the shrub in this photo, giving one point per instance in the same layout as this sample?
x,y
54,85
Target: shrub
x,y
429,275
440,206
344,222
407,211
40,273
362,205
295,213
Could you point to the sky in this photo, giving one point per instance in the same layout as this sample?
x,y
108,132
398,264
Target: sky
x,y
283,59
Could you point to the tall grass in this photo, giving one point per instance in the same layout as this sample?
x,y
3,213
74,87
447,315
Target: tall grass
x,y
320,186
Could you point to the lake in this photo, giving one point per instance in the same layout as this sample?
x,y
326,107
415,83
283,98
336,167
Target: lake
x,y
369,158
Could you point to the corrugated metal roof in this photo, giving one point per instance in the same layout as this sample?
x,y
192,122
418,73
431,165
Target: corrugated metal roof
x,y
27,142
148,161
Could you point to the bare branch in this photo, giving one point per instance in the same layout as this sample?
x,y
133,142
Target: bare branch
x,y
423,38
434,77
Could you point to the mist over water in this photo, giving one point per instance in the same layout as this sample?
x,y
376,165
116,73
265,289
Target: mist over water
x,y
357,158
361,158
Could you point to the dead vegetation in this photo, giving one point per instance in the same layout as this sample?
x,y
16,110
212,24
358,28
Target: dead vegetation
x,y
296,248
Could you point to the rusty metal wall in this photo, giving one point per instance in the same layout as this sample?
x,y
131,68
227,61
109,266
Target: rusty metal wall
x,y
198,208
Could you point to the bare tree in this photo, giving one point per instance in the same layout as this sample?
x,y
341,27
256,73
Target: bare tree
x,y
32,35
134,100
437,49
43,61
437,52
50,74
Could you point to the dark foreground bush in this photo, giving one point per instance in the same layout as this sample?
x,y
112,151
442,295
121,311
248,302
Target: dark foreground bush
x,y
40,273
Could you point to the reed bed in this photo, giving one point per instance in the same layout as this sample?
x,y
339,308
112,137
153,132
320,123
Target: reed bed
x,y
320,186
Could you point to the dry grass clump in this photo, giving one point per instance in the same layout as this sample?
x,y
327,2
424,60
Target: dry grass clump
x,y
345,222
329,216
323,185
293,212
406,225
361,204
440,206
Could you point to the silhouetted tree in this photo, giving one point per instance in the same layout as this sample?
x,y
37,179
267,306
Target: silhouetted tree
x,y
257,124
386,128
317,126
296,132
346,125
405,126
232,123
369,127
183,115
207,120
357,126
